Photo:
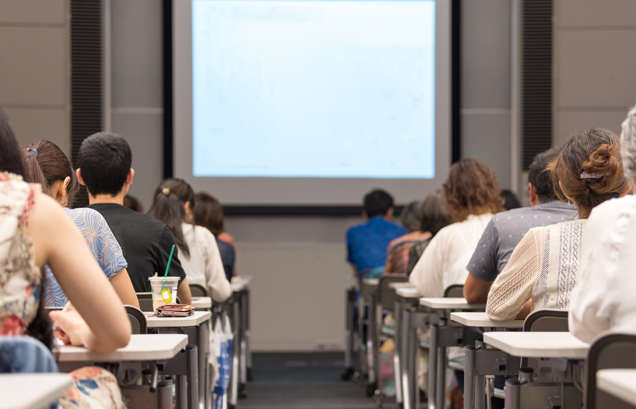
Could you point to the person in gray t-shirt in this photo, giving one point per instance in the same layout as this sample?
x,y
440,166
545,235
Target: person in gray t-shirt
x,y
506,229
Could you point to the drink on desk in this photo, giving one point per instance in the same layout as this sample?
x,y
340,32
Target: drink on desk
x,y
164,290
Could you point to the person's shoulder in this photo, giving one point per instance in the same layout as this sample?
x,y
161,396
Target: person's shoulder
x,y
614,207
200,232
357,228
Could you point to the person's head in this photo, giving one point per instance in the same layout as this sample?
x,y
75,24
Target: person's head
x,y
46,164
378,203
10,159
208,213
433,212
511,201
471,188
589,169
628,145
540,184
410,216
131,202
172,204
104,161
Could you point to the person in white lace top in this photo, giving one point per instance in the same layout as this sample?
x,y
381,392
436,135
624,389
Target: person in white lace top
x,y
603,299
544,266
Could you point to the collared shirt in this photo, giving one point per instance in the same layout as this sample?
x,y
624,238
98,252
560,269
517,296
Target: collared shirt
x,y
444,260
506,230
367,242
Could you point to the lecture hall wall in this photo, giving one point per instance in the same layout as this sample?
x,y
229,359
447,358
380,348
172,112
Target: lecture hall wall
x,y
298,263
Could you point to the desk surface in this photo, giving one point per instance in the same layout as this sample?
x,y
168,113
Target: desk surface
x,y
30,391
408,292
538,344
245,280
480,319
142,347
400,284
371,281
201,302
450,303
237,287
178,322
618,382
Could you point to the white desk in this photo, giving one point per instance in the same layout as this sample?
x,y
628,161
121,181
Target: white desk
x,y
620,383
178,322
142,347
237,287
538,344
29,391
480,319
201,302
246,280
450,303
408,292
397,284
371,281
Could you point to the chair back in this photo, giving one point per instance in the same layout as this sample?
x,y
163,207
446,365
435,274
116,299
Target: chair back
x,y
455,290
145,301
386,294
198,290
547,321
613,351
137,320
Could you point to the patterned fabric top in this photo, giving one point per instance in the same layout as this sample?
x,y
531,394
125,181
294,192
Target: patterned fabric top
x,y
20,279
103,245
544,267
397,254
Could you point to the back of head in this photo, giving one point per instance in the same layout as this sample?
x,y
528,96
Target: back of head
x,y
133,203
410,216
471,188
168,204
628,144
10,158
104,159
377,203
511,201
208,213
45,163
434,213
589,169
539,175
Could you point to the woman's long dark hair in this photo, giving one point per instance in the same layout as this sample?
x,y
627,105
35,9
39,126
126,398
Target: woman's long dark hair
x,y
208,213
45,163
168,204
11,161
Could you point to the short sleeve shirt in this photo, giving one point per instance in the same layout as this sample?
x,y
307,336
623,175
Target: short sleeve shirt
x,y
506,230
367,242
145,241
101,242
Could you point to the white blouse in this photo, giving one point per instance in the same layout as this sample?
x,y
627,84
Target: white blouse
x,y
445,259
604,297
204,266
544,266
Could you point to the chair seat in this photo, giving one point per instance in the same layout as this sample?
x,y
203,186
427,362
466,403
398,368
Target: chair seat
x,y
499,393
388,331
456,365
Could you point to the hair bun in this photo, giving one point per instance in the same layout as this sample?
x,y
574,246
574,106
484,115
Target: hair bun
x,y
605,159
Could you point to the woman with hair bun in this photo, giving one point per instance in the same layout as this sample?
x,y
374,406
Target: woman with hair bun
x,y
603,298
544,266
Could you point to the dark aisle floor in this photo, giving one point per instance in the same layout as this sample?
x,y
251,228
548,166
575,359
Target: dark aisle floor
x,y
304,381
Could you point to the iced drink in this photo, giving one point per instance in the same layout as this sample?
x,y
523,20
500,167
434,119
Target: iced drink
x,y
164,290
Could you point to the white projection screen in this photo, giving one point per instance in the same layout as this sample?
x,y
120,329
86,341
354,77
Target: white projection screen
x,y
311,102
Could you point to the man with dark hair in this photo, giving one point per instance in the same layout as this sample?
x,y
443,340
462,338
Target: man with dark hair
x,y
367,242
505,230
104,167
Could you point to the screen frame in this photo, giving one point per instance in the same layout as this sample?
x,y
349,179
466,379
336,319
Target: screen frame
x,y
178,111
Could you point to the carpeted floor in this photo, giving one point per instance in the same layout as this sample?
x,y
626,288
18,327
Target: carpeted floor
x,y
304,381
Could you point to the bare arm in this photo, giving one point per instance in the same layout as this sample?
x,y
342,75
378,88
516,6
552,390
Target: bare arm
x,y
59,244
124,288
183,292
476,290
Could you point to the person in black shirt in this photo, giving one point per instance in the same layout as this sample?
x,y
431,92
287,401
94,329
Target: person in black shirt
x,y
104,167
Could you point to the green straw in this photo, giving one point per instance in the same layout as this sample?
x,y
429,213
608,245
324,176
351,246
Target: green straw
x,y
167,267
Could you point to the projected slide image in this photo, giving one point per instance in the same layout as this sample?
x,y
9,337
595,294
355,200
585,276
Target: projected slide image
x,y
321,89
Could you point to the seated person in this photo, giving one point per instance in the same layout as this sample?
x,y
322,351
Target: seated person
x,y
208,213
603,299
511,201
172,204
131,202
104,167
472,196
506,229
367,242
544,266
397,254
434,217
46,164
